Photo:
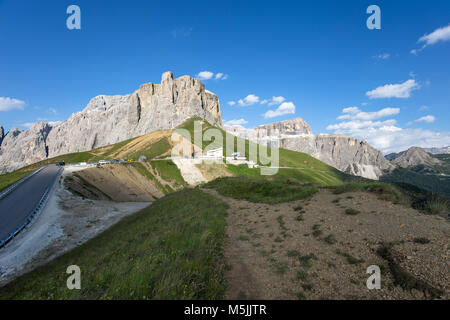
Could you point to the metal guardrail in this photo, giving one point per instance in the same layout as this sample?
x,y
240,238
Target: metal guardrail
x,y
33,213
8,190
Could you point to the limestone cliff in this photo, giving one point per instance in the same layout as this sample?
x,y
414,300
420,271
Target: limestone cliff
x,y
347,154
111,119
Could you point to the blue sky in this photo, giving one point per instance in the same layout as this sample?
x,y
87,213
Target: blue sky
x,y
317,58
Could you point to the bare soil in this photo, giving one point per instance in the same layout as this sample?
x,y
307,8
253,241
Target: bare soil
x,y
114,182
313,249
212,171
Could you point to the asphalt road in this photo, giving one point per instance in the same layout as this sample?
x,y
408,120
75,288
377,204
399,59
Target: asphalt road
x,y
17,205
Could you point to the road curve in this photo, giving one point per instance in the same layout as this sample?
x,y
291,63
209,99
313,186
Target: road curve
x,y
17,205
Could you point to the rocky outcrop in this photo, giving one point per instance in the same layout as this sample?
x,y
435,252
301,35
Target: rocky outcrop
x,y
23,147
111,119
444,150
346,154
412,157
288,128
2,135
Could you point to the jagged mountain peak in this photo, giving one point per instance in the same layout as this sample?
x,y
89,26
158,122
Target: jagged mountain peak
x,y
110,119
351,155
414,156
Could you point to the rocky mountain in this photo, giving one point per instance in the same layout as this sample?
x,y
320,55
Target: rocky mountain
x,y
2,135
266,133
287,129
412,157
111,119
347,154
444,150
417,167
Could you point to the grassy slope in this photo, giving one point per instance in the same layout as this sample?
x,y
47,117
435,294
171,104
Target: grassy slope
x,y
443,157
169,171
309,169
313,169
9,178
259,190
431,182
167,251
104,153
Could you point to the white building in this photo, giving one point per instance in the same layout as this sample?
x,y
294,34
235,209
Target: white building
x,y
215,153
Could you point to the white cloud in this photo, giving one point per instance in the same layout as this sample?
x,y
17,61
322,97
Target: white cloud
x,y
284,108
402,90
249,100
231,103
386,135
438,35
423,108
8,104
235,122
264,101
427,119
351,110
205,75
221,76
358,124
276,100
355,114
383,56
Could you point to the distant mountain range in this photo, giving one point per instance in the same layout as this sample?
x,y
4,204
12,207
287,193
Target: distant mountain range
x,y
444,150
350,155
418,167
111,119
353,156
414,156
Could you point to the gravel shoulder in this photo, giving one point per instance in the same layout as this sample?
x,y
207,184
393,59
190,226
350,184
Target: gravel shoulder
x,y
66,222
313,249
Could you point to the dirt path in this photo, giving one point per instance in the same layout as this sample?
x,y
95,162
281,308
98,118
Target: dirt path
x,y
191,174
320,252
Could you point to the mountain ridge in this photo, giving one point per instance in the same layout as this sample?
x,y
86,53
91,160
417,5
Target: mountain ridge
x,y
111,119
414,156
347,154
